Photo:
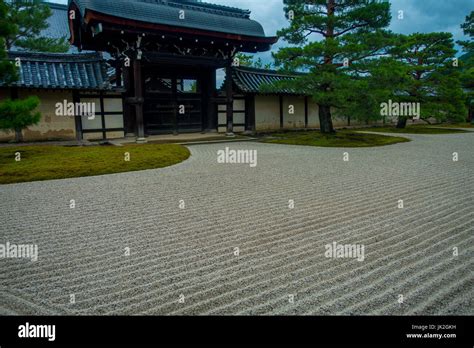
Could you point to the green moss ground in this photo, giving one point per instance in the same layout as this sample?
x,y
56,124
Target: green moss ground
x,y
343,138
45,162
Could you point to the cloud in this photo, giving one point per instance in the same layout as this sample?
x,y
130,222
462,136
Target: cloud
x,y
422,16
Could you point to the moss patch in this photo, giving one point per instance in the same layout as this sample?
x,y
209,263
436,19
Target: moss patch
x,y
416,129
455,125
58,162
344,138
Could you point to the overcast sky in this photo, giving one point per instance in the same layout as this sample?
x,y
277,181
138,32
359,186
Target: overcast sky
x,y
419,15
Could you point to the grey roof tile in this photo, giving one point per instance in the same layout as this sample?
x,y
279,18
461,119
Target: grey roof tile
x,y
61,71
251,80
198,15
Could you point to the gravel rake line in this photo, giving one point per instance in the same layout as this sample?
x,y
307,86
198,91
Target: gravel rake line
x,y
396,271
89,267
366,170
460,306
152,223
18,303
193,279
454,287
285,265
444,296
346,283
407,286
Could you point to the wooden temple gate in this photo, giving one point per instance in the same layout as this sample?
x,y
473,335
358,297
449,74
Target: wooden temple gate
x,y
167,57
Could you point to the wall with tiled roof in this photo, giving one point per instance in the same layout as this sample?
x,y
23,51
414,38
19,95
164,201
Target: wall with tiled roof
x,y
61,71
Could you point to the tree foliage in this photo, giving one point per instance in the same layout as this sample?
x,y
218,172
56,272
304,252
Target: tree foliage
x,y
352,63
335,43
434,76
248,60
468,29
7,69
19,114
30,18
468,58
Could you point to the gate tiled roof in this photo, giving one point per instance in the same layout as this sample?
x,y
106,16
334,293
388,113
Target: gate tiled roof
x,y
198,15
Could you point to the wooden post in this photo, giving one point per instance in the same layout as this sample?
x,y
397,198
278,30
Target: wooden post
x,y
118,73
250,113
14,93
128,107
137,78
77,118
174,98
230,101
102,116
214,114
211,124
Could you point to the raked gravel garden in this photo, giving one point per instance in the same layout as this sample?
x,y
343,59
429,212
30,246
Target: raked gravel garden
x,y
202,237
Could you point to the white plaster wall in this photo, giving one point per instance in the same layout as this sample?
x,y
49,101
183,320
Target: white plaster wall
x,y
51,126
267,112
295,120
313,114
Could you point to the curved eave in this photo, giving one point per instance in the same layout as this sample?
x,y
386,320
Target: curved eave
x,y
260,43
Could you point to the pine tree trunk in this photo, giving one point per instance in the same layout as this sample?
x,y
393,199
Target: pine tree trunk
x,y
402,122
18,135
325,120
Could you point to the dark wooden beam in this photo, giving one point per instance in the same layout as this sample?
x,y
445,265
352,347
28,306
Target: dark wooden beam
x,y
118,74
250,124
163,58
174,98
102,116
77,118
138,84
14,93
128,109
212,111
229,100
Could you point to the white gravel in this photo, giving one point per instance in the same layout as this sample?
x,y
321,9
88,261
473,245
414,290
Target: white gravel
x,y
191,251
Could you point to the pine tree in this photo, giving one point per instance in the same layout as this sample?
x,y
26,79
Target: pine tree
x,y
30,17
468,29
434,76
248,60
352,34
19,114
14,114
467,60
7,69
379,80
